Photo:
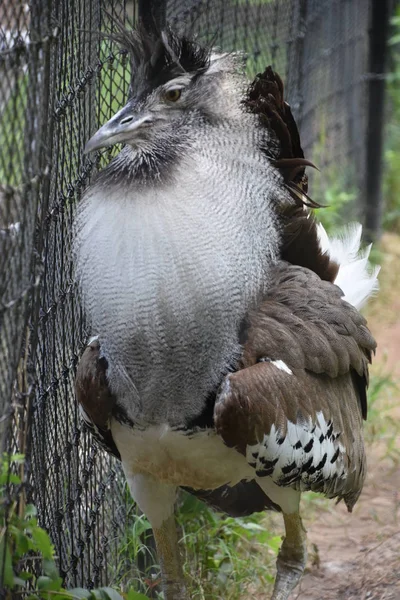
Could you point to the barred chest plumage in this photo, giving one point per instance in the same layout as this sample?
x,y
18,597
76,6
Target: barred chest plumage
x,y
178,265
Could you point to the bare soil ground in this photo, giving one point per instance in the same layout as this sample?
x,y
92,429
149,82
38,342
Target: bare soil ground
x,y
357,556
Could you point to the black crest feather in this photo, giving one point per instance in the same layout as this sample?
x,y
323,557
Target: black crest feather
x,y
158,56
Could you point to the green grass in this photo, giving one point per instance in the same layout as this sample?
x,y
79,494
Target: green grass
x,y
225,557
133,551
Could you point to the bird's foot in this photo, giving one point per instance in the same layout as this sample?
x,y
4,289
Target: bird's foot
x,y
288,576
291,559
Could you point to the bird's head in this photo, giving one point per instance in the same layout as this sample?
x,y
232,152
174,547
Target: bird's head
x,y
175,81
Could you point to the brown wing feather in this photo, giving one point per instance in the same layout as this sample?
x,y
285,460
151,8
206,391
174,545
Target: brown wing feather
x,y
94,396
265,97
306,319
262,395
325,348
300,245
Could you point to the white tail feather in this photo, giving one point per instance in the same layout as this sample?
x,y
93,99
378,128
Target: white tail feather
x,y
356,277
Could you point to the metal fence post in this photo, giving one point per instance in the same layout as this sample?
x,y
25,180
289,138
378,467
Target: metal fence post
x,y
378,35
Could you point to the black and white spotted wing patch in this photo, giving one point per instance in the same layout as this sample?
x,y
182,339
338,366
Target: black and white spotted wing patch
x,y
308,455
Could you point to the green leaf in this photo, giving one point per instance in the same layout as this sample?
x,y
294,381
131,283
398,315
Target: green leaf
x,y
6,478
25,575
275,543
46,583
140,526
43,542
19,459
21,545
43,581
252,526
111,594
78,593
50,569
6,564
132,595
30,511
98,594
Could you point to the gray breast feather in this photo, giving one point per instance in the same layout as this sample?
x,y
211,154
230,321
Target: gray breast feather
x,y
168,272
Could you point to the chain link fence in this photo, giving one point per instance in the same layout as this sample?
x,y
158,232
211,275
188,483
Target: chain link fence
x,y
58,82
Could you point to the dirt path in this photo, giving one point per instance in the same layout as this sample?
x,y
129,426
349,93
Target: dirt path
x,y
357,556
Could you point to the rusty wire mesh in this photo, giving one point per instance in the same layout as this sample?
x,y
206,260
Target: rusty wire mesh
x,y
58,82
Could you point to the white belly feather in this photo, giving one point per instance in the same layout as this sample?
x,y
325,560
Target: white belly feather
x,y
199,461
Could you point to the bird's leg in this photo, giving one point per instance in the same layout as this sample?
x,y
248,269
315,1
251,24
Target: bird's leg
x,y
157,499
173,582
291,558
293,553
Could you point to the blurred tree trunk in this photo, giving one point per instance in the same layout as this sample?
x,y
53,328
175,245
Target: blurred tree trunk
x,y
152,12
378,52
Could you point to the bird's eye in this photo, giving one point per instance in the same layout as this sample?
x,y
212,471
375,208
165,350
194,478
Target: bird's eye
x,y
173,95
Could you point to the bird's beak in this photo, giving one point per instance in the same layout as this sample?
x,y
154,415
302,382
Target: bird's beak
x,y
120,128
